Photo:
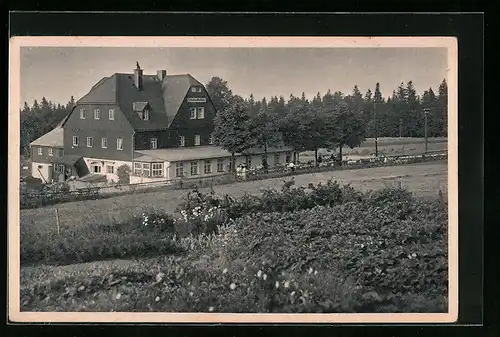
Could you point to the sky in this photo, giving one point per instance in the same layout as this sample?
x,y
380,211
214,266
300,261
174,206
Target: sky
x,y
61,72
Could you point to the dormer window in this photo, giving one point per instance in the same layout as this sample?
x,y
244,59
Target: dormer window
x,y
142,109
195,89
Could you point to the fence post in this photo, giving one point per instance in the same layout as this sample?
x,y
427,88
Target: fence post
x,y
57,222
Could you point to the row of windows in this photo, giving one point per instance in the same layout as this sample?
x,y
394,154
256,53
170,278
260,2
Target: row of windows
x,y
97,114
104,142
147,169
153,142
207,167
196,113
50,152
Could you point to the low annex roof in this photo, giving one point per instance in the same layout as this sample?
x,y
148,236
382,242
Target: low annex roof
x,y
196,153
54,138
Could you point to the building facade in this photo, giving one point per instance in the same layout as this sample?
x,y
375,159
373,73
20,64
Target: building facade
x,y
156,125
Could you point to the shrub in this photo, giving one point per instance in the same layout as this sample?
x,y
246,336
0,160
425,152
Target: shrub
x,y
123,173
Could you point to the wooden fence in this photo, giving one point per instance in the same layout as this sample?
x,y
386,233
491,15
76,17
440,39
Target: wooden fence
x,y
38,199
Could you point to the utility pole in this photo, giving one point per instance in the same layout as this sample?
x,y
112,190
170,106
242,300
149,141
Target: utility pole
x,y
426,111
401,133
375,129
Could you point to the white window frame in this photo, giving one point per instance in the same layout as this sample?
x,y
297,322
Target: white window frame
x,y
91,142
112,169
157,169
194,164
104,142
195,89
145,115
211,140
111,114
207,165
146,167
40,151
119,144
137,169
277,158
82,113
97,114
197,137
200,112
75,140
153,143
51,151
179,169
220,165
182,141
192,113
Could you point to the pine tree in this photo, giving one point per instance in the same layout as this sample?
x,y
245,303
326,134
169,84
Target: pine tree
x,y
443,108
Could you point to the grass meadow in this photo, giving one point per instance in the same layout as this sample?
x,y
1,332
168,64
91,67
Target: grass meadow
x,y
362,240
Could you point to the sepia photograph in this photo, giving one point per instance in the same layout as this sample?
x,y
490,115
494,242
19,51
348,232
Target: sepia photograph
x,y
233,179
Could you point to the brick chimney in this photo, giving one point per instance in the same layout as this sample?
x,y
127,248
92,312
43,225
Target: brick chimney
x,y
138,77
161,74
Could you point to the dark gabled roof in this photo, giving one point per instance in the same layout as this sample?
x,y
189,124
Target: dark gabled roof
x,y
164,97
103,91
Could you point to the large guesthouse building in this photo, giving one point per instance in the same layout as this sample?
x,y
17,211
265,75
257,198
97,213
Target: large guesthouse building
x,y
159,126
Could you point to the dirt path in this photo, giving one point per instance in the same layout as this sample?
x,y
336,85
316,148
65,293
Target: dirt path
x,y
423,179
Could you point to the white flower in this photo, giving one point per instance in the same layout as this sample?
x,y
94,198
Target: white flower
x,y
211,309
413,255
310,271
191,293
232,286
277,284
157,299
315,272
224,271
264,277
118,296
287,284
293,293
259,273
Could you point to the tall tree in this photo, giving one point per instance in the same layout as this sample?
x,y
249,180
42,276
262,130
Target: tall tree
x,y
219,93
415,116
429,101
348,126
306,130
317,102
443,107
232,129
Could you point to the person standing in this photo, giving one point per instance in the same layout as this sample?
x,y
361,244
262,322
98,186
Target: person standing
x,y
265,165
244,172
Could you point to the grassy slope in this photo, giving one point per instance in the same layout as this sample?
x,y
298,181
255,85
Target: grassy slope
x,y
424,179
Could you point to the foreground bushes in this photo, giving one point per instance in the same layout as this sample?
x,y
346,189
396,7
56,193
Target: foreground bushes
x,y
326,248
155,233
